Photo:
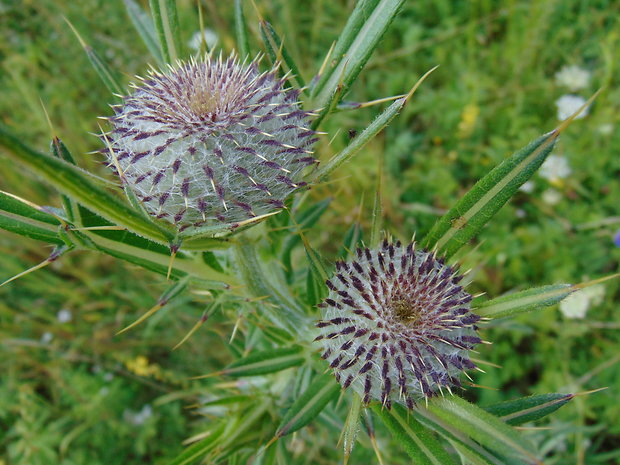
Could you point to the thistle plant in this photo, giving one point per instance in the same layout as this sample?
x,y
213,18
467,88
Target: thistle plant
x,y
211,141
210,156
397,325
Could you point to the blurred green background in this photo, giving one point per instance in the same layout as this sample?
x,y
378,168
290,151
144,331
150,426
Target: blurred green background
x,y
71,392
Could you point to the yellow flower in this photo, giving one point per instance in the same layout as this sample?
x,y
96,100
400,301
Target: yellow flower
x,y
141,367
468,120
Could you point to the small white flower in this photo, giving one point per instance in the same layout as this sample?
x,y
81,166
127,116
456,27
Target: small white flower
x,y
573,77
554,168
551,197
527,187
64,316
595,293
569,104
575,305
104,391
520,213
107,377
210,38
606,129
138,418
47,337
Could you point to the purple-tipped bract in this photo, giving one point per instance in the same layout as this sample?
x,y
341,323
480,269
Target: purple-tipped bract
x,y
397,325
211,142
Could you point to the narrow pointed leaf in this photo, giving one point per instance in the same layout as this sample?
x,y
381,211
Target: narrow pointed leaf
x,y
360,140
377,213
143,23
418,441
156,258
277,52
351,426
206,243
13,205
484,428
200,448
524,301
72,181
449,431
58,149
241,30
526,409
360,14
315,290
471,457
268,361
307,407
25,220
488,195
359,51
352,240
288,313
107,75
166,24
304,220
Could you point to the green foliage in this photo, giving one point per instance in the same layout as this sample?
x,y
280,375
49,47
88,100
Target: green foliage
x,y
74,392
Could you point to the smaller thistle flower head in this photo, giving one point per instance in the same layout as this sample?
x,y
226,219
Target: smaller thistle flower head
x,y
211,142
397,325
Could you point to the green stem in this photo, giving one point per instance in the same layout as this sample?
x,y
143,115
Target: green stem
x,y
288,313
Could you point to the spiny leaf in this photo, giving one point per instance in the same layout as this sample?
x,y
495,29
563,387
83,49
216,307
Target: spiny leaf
x,y
479,205
24,219
166,24
351,60
72,181
352,240
321,391
278,52
360,14
526,409
267,361
143,23
532,299
202,447
131,248
58,149
103,70
483,427
55,255
524,301
351,427
377,212
302,220
368,134
241,30
466,445
417,440
172,291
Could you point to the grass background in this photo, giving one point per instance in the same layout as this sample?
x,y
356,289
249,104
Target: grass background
x,y
76,398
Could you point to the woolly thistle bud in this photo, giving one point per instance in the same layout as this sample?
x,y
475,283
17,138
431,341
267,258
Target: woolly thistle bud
x,y
397,325
211,142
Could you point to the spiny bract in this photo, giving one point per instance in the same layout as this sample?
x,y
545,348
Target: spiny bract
x,y
211,142
396,324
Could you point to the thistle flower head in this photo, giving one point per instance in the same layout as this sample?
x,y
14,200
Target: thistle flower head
x,y
397,325
211,142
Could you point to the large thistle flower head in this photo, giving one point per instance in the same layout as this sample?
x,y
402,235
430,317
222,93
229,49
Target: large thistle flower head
x,y
397,325
211,141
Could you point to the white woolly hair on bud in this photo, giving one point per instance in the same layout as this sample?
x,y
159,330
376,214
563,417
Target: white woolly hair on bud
x,y
397,325
211,141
